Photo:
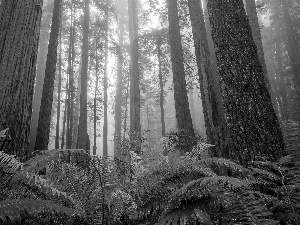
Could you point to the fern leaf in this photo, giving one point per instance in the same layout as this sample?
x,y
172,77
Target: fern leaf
x,y
12,210
9,163
226,167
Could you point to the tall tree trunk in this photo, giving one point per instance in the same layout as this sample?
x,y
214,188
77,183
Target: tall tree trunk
x,y
64,127
65,115
126,109
183,116
77,106
282,94
43,130
213,108
71,56
192,105
59,89
161,86
95,102
82,128
118,99
40,72
135,105
19,36
253,125
105,127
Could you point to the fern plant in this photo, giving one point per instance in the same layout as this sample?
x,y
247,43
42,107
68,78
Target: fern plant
x,y
218,191
65,180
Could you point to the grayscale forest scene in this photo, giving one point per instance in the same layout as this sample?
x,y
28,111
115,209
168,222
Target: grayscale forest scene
x,y
150,112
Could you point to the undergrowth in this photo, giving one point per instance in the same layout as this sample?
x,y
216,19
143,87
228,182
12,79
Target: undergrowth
x,y
71,187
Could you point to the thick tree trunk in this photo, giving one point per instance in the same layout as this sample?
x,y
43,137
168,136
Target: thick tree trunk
x,y
57,135
183,115
19,36
105,127
43,130
135,105
82,128
40,71
253,125
118,104
213,108
161,85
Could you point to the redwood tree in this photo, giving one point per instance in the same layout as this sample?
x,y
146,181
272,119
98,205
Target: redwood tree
x,y
213,108
118,101
19,36
43,130
183,116
135,105
254,130
82,127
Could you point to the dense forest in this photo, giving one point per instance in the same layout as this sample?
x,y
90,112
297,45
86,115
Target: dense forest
x,y
150,112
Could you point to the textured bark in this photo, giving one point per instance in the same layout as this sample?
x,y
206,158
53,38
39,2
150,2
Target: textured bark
x,y
161,86
118,99
135,105
19,36
40,71
82,127
43,130
254,130
105,127
57,135
183,116
213,108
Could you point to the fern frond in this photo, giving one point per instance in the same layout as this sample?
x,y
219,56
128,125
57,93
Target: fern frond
x,y
222,166
9,163
44,158
13,210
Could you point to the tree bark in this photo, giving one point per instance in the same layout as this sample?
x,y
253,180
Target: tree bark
x,y
254,130
19,36
183,116
161,85
43,130
213,109
135,105
70,115
57,135
95,102
105,127
82,128
118,99
40,71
